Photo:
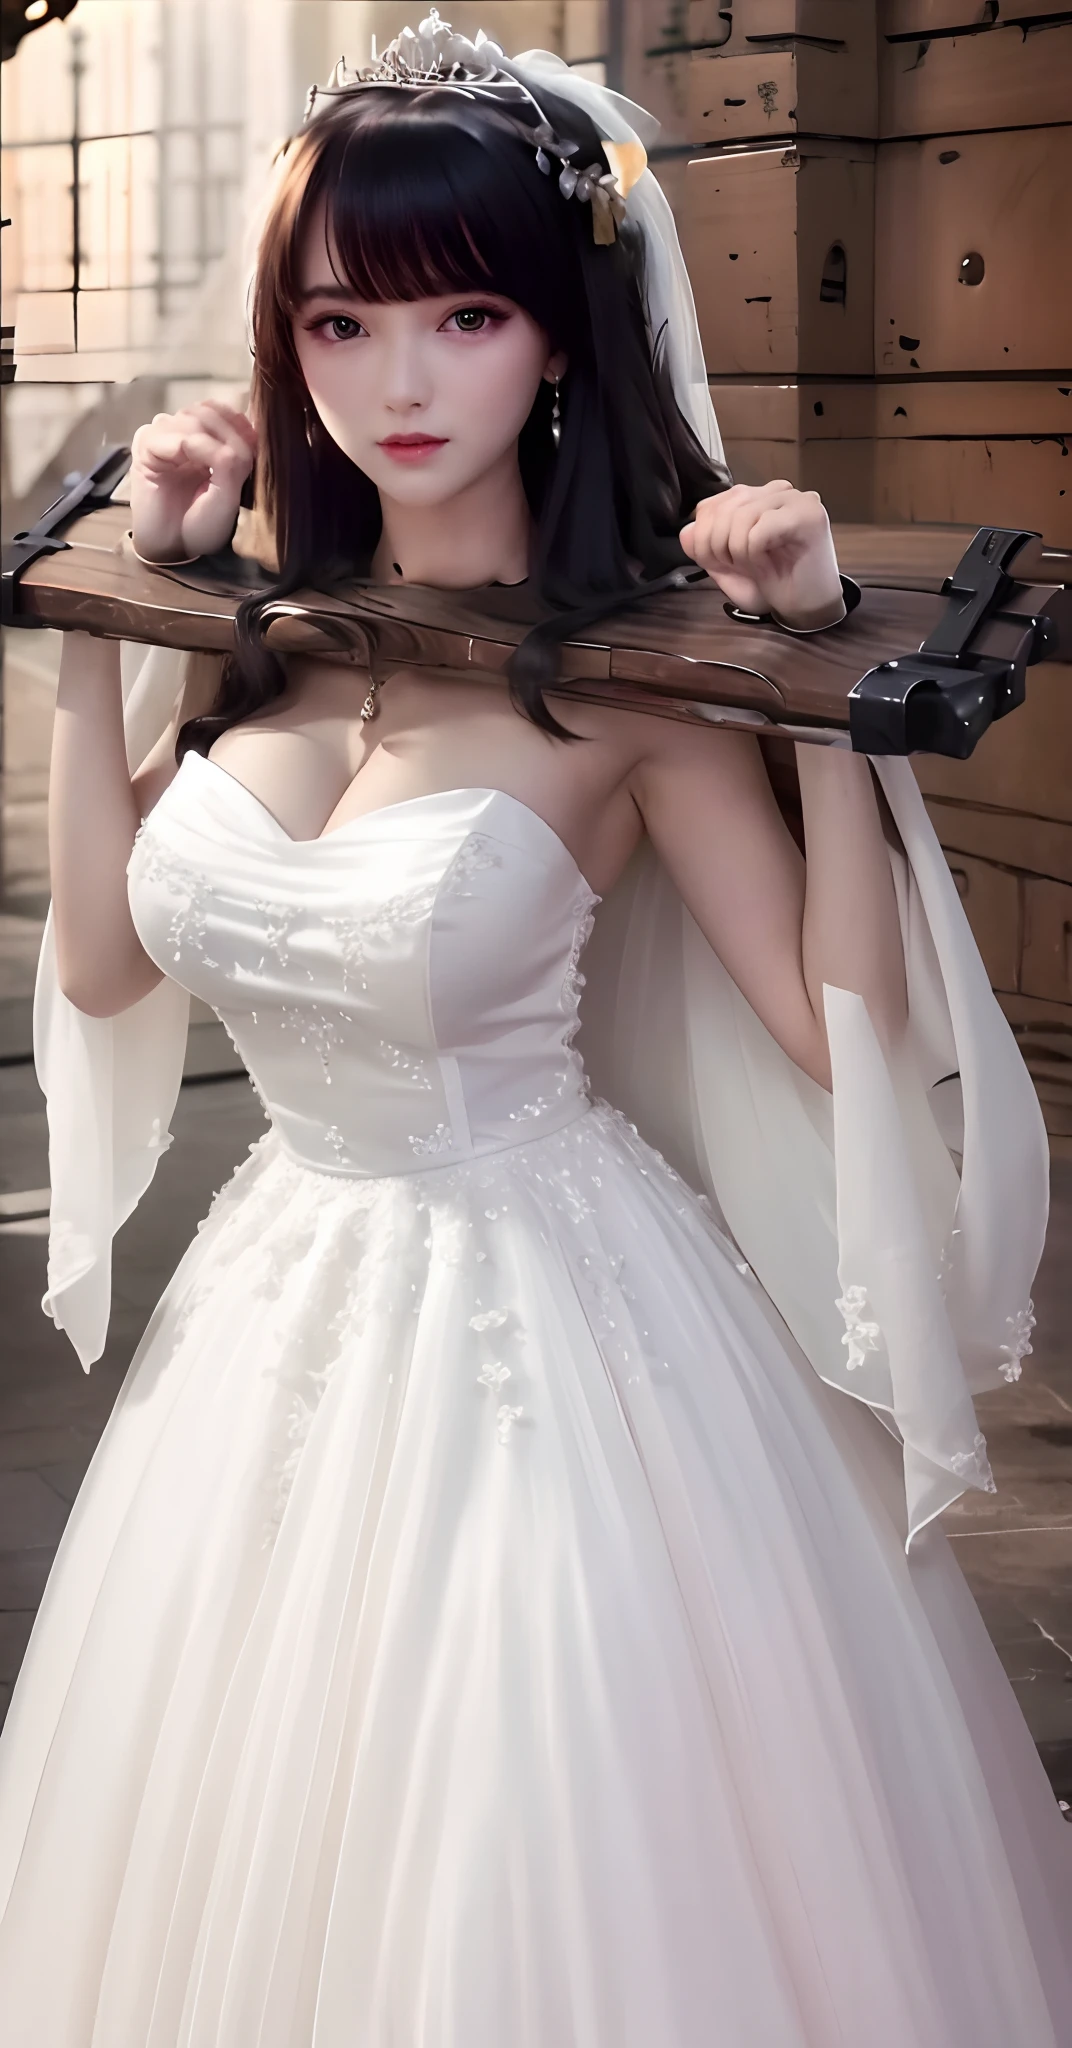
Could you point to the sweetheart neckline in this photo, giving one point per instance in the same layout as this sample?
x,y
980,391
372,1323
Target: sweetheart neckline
x,y
385,810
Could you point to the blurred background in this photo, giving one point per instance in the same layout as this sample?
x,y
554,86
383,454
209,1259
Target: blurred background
x,y
872,196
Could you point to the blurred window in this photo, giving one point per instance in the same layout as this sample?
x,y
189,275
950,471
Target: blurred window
x,y
122,164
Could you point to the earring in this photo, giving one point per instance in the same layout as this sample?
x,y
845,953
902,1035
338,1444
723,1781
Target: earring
x,y
556,419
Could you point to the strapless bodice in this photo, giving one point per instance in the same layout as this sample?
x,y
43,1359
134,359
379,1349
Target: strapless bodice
x,y
404,991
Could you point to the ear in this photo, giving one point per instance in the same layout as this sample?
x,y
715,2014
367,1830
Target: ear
x,y
557,366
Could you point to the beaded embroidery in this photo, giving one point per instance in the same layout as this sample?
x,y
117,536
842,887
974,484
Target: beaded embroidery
x,y
314,1027
409,1064
474,854
439,1140
190,922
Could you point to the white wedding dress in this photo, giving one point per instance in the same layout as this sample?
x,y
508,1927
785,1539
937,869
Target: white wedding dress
x,y
479,1626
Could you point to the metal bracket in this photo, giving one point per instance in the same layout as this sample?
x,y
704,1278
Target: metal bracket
x,y
90,494
941,699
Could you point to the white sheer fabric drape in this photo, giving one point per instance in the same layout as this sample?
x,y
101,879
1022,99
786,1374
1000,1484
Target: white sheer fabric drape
x,y
111,1083
905,1281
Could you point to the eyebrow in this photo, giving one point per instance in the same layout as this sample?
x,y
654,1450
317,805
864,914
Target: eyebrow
x,y
326,291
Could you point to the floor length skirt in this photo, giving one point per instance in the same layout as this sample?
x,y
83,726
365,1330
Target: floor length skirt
x,y
480,1628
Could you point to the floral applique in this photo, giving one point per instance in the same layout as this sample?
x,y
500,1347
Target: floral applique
x,y
1020,1327
860,1336
974,1466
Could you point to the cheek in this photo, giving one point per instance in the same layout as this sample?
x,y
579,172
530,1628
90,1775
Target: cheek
x,y
497,385
328,376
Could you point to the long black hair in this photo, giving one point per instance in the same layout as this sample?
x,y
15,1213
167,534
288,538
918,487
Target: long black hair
x,y
429,192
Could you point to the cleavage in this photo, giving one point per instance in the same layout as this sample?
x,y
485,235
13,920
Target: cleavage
x,y
402,728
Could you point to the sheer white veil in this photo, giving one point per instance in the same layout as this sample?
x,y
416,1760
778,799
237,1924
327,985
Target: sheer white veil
x,y
670,304
896,1224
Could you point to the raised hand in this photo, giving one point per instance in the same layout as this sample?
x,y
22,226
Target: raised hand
x,y
186,479
769,547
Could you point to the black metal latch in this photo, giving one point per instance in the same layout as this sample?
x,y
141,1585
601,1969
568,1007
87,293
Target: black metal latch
x,y
89,494
941,700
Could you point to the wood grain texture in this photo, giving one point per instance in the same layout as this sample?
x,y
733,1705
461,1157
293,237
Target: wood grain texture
x,y
757,227
678,652
1036,846
1000,78
1002,197
826,409
752,23
1008,481
948,451
1046,955
938,17
783,91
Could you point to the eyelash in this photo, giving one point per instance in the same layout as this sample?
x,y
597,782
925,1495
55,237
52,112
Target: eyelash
x,y
492,314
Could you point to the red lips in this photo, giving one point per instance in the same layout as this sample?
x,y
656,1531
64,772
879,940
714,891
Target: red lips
x,y
411,447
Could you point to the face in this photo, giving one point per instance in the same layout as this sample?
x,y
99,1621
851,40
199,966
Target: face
x,y
427,397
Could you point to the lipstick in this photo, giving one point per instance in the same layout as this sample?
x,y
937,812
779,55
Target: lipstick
x,y
411,447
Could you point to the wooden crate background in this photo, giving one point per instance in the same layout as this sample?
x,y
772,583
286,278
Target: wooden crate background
x,y
874,200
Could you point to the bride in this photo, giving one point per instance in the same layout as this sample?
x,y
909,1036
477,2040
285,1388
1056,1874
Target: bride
x,y
486,1621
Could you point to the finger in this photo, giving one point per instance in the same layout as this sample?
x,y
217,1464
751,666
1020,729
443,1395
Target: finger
x,y
739,535
774,528
158,436
710,527
235,418
207,451
161,453
779,516
213,420
795,526
166,437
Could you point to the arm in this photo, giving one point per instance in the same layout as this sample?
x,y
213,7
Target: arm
x,y
781,925
94,809
186,481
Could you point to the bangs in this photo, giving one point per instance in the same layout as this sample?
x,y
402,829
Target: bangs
x,y
424,202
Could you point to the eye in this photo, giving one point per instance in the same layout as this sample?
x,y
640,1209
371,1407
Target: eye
x,y
337,326
474,319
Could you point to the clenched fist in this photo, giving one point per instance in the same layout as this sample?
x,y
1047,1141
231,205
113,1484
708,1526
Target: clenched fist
x,y
769,547
186,480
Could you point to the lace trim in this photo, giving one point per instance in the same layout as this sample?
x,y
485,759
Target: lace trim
x,y
860,1336
974,1466
1020,1327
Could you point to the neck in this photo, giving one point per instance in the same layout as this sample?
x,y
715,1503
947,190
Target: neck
x,y
482,534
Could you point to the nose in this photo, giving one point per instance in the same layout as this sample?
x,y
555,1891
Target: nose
x,y
407,385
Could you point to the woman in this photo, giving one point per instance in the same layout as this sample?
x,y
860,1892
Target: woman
x,y
480,1622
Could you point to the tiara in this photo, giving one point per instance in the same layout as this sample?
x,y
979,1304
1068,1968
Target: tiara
x,y
436,55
